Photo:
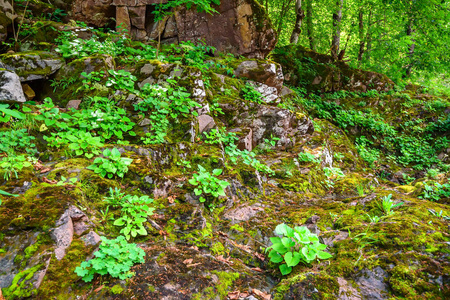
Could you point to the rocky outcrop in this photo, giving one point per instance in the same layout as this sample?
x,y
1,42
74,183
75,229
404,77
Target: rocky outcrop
x,y
270,74
10,88
321,73
31,65
239,27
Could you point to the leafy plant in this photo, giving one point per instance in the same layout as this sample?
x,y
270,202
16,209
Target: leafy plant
x,y
307,157
14,140
67,181
295,246
78,141
121,80
114,257
12,164
435,191
387,205
249,93
112,164
134,212
208,184
268,144
6,114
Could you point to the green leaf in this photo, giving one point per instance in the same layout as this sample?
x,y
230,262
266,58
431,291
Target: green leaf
x,y
284,269
324,255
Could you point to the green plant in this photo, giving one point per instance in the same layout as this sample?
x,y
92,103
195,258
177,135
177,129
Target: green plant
x,y
367,153
269,144
432,173
121,80
373,219
295,246
78,141
112,164
13,140
249,93
67,181
208,184
164,104
134,212
114,257
6,114
360,188
434,191
387,205
307,157
12,164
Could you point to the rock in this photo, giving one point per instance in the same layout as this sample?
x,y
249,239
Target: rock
x,y
347,291
10,88
6,17
244,213
73,104
91,239
31,65
270,74
205,123
371,284
28,91
265,121
73,221
98,13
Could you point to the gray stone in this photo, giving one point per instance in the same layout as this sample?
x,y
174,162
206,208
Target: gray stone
x,y
372,284
73,104
244,213
10,87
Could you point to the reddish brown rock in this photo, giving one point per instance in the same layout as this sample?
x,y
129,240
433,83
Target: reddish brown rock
x,y
93,12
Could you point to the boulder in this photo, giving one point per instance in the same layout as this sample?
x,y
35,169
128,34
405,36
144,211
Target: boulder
x,y
10,88
270,74
31,65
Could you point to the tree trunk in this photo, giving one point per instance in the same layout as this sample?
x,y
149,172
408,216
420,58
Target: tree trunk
x,y
337,17
309,25
410,32
298,22
369,37
361,34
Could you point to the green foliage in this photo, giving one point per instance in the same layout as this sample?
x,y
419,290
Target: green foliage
x,y
191,54
112,164
15,140
134,212
307,157
6,114
295,246
227,141
164,104
78,142
249,93
387,205
11,164
114,257
121,80
435,191
370,155
269,144
208,184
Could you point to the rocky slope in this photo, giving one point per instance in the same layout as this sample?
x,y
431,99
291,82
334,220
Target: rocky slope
x,y
287,155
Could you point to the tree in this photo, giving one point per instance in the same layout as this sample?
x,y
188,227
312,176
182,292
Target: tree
x,y
300,15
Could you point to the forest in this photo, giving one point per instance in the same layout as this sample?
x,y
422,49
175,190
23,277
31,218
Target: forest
x,y
224,149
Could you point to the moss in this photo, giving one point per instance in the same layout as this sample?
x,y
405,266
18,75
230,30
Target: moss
x,y
117,289
218,249
225,281
60,279
21,287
